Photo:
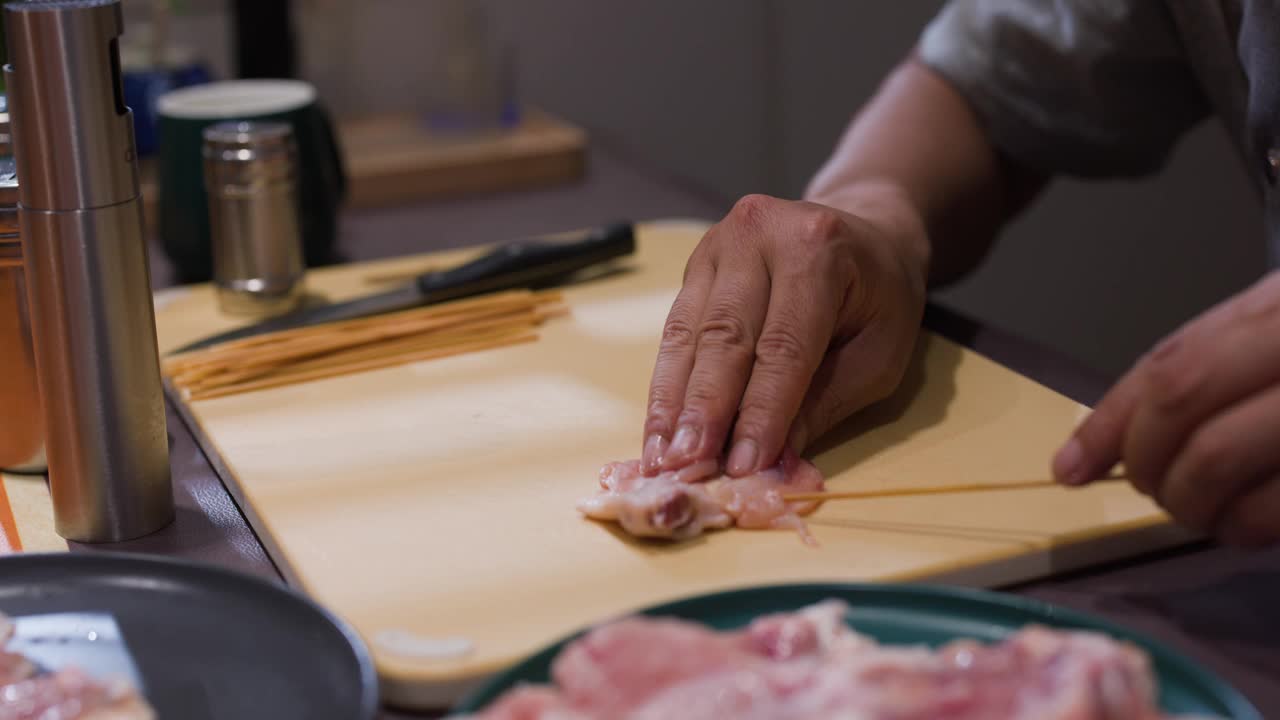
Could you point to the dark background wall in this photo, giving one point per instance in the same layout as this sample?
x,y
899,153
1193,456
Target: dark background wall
x,y
739,96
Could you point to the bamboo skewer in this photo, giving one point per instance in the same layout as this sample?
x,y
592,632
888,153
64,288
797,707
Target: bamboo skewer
x,y
252,364
291,378
413,344
934,490
510,299
351,346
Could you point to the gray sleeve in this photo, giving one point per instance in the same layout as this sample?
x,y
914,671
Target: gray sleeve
x,y
1093,88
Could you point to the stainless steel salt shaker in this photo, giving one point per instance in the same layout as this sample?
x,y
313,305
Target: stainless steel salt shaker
x,y
250,178
87,275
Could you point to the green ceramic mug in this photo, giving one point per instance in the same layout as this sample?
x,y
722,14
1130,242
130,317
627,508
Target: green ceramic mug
x,y
183,203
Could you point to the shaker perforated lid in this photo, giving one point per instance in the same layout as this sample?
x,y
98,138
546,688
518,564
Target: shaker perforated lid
x,y
240,153
238,141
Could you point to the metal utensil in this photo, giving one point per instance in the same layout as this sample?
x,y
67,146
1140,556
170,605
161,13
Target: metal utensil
x,y
250,170
86,271
527,264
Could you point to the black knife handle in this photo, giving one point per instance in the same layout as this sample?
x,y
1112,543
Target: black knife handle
x,y
527,264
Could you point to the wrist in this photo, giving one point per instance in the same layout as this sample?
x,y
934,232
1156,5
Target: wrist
x,y
887,207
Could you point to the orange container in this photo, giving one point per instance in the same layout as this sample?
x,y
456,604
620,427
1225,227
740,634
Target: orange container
x,y
21,421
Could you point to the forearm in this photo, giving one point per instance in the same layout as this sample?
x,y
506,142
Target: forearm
x,y
917,154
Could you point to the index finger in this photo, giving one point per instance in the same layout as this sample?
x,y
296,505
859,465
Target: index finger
x,y
674,363
1098,443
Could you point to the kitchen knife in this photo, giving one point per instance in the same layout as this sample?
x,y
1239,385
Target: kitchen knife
x,y
523,264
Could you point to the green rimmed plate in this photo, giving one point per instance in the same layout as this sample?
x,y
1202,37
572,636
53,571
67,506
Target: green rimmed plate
x,y
914,614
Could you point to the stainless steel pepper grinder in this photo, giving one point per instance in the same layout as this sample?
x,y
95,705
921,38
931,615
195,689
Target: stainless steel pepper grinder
x,y
92,318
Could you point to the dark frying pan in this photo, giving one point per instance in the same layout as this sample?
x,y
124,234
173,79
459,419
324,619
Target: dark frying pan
x,y
208,643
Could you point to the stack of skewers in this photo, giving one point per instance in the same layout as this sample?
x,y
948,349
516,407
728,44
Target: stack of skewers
x,y
342,348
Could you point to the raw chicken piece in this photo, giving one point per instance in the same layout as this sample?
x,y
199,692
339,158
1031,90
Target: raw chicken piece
x,y
615,667
68,694
668,505
71,695
530,702
13,667
622,665
1037,674
619,664
681,504
808,665
818,630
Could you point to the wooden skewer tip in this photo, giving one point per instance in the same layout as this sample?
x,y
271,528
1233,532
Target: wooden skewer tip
x,y
932,490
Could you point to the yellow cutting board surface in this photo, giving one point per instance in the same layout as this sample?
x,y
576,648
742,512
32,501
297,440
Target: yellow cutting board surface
x,y
436,501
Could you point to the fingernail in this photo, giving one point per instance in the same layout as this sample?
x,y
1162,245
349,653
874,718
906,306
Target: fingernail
x,y
654,448
743,458
685,443
1068,463
1166,347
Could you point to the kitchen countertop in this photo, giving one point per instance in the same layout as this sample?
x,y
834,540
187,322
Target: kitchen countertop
x,y
1212,603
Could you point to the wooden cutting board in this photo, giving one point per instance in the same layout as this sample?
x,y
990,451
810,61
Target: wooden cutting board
x,y
436,501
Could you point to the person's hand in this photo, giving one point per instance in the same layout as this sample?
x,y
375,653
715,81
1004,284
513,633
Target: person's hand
x,y
1197,422
792,316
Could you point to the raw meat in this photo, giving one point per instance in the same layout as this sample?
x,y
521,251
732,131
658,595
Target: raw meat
x,y
13,666
532,702
809,665
70,695
67,694
684,503
621,665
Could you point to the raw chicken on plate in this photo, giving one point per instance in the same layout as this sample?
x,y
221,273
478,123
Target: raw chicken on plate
x,y
809,665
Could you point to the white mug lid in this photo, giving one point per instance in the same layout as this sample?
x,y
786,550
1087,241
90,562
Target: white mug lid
x,y
235,98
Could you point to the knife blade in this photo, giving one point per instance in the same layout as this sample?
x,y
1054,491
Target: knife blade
x,y
522,264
